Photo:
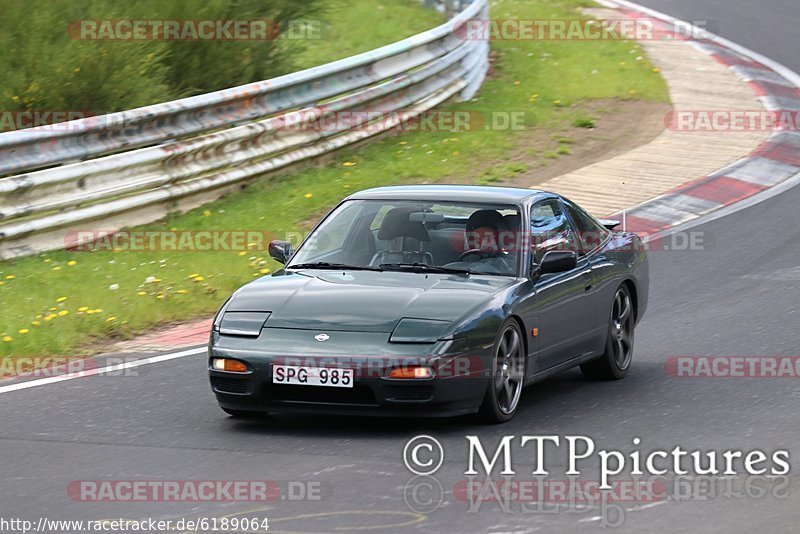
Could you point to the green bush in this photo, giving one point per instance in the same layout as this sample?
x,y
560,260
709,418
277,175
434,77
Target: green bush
x,y
48,69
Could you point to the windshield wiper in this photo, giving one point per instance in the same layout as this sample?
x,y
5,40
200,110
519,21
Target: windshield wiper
x,y
423,267
329,265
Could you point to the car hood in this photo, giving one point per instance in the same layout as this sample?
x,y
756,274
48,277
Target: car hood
x,y
363,301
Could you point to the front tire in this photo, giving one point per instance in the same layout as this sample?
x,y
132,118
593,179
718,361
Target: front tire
x,y
507,375
616,360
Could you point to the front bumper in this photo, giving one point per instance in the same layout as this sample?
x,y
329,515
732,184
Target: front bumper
x,y
457,387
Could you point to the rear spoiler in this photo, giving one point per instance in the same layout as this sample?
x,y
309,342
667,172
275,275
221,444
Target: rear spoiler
x,y
609,223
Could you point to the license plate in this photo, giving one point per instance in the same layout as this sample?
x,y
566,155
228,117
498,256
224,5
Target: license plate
x,y
312,376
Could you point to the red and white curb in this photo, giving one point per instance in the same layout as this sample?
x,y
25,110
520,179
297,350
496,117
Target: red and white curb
x,y
772,164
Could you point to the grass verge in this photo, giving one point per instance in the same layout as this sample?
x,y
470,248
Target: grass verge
x,y
59,303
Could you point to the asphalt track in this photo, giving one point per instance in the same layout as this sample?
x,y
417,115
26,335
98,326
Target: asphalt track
x,y
739,296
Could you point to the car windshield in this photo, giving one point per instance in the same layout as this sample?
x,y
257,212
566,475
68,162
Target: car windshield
x,y
415,236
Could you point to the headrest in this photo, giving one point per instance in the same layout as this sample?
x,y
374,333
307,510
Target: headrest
x,y
490,218
396,224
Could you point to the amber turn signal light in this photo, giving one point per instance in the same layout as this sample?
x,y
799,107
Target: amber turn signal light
x,y
231,366
411,372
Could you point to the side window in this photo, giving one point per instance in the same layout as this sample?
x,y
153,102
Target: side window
x,y
550,229
590,232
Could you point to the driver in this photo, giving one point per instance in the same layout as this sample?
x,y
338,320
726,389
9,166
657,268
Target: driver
x,y
484,253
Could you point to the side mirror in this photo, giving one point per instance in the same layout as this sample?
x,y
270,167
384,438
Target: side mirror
x,y
280,251
558,261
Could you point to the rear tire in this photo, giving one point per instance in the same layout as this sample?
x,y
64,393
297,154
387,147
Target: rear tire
x,y
616,360
507,375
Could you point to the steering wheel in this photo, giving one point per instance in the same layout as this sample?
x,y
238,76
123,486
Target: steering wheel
x,y
482,254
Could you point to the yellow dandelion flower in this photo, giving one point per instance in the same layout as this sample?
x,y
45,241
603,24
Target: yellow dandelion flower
x,y
7,338
348,164
198,278
57,268
193,275
83,308
10,277
36,323
142,293
61,299
242,253
181,292
47,260
72,263
206,213
2,283
656,70
308,195
263,271
111,319
159,297
62,313
23,330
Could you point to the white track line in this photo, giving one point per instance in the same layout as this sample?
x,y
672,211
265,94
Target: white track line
x,y
101,370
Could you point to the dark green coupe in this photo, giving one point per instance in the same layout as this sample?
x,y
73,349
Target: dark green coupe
x,y
432,301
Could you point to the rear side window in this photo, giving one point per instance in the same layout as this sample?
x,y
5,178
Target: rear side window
x,y
550,229
591,233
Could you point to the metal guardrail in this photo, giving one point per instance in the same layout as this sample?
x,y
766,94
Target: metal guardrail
x,y
136,166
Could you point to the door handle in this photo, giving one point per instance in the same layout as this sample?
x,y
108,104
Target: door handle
x,y
588,275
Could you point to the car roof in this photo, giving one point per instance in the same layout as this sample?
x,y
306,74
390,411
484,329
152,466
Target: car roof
x,y
453,193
